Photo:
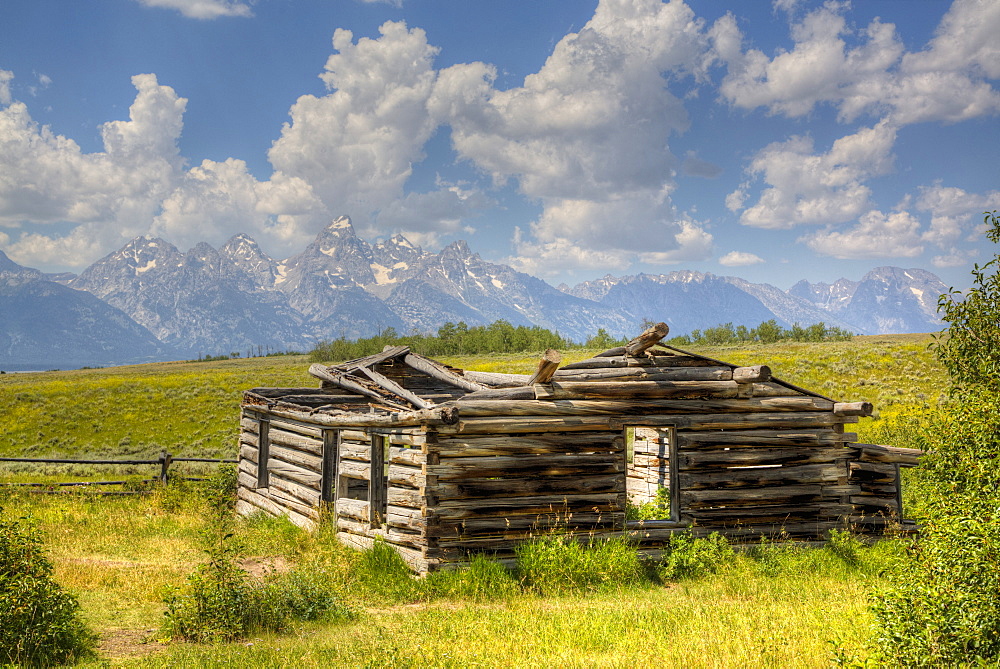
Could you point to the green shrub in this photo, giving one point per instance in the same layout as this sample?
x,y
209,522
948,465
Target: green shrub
x,y
687,556
39,621
560,564
941,608
308,594
220,603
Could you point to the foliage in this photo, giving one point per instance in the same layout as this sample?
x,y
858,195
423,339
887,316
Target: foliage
x,y
941,608
222,602
768,332
497,337
658,509
39,621
558,563
970,349
687,556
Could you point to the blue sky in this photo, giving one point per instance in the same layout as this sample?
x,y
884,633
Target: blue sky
x,y
771,140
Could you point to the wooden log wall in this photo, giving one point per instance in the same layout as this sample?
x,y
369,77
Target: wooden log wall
x,y
489,488
295,478
740,453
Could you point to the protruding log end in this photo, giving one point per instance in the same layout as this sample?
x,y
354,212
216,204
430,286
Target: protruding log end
x,y
449,415
754,374
547,366
853,409
652,335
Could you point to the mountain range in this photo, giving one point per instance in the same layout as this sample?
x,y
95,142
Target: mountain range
x,y
149,301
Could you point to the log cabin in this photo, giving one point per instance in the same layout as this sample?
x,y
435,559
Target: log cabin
x,y
441,463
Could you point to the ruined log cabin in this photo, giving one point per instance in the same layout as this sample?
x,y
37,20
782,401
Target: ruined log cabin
x,y
441,462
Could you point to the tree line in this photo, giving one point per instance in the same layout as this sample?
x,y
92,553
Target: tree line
x,y
503,337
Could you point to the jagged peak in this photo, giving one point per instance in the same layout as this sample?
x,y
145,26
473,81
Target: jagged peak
x,y
341,223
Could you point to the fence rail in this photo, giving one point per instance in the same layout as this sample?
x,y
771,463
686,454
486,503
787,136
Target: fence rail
x,y
164,462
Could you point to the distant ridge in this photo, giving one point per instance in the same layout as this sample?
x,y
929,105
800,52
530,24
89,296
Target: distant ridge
x,y
237,298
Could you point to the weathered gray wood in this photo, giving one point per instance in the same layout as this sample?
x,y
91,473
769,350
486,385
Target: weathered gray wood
x,y
305,495
355,470
754,374
394,388
263,451
749,496
267,505
435,416
472,445
496,379
769,437
539,465
438,371
786,455
331,459
398,496
297,426
765,476
714,373
387,353
296,457
909,457
637,389
649,336
528,505
406,456
853,408
377,482
289,471
351,450
341,380
298,442
547,366
402,475
510,393
488,489
353,508
490,425
469,406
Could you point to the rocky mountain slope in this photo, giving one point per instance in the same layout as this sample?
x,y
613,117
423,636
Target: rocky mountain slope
x,y
238,299
45,325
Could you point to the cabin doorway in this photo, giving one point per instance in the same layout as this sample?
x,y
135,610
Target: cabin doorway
x,y
651,472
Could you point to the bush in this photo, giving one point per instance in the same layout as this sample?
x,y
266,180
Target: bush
x,y
942,606
560,564
39,621
222,602
687,556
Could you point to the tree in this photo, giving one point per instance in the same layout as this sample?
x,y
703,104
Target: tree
x,y
970,349
941,609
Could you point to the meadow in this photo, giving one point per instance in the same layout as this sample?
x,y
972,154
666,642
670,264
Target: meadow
x,y
776,606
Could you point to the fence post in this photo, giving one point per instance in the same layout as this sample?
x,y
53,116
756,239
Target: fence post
x,y
165,459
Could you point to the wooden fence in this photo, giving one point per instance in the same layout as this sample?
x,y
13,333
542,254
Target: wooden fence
x,y
163,461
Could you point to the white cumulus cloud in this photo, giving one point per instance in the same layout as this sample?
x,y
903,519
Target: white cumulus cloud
x,y
876,235
740,259
356,145
808,188
203,9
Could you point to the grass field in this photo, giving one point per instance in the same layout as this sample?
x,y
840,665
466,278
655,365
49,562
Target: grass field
x,y
118,555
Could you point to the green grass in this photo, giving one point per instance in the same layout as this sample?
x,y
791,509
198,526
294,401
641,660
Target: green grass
x,y
781,607
120,555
